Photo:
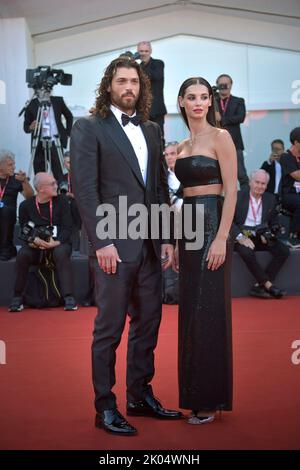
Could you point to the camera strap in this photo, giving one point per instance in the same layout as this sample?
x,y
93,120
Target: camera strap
x,y
255,212
2,190
50,210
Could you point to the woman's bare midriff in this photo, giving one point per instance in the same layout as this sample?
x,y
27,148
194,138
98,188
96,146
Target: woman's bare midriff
x,y
209,189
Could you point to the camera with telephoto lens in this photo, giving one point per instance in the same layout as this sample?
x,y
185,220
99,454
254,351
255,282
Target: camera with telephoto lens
x,y
29,232
270,234
45,77
63,187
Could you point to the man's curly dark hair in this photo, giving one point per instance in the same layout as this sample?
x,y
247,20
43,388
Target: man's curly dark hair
x,y
103,98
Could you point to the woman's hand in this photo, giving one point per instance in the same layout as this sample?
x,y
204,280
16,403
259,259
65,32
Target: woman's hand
x,y
175,264
216,254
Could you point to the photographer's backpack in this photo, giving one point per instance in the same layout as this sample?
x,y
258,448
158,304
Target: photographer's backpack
x,y
42,289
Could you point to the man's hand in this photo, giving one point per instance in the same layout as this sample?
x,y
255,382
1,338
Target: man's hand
x,y
108,258
245,241
43,245
32,125
167,255
21,176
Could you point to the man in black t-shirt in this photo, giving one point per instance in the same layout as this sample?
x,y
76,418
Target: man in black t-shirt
x,y
290,163
11,184
45,209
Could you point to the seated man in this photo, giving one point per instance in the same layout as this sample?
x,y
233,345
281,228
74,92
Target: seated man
x,y
11,184
254,224
46,209
290,163
273,167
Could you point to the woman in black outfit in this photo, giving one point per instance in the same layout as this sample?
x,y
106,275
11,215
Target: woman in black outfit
x,y
207,169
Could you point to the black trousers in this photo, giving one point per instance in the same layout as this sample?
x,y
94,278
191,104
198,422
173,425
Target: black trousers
x,y
291,202
39,162
28,256
7,224
134,289
279,251
242,172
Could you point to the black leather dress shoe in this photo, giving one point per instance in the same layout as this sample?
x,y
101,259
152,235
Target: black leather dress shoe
x,y
151,407
113,422
275,292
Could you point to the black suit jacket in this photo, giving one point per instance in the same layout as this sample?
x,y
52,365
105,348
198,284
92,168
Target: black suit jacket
x,y
234,116
155,70
271,170
60,109
104,166
269,213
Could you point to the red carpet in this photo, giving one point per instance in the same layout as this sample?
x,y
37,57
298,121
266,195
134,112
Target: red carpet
x,y
46,396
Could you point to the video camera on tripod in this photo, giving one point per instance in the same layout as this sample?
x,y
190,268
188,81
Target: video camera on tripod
x,y
45,77
42,79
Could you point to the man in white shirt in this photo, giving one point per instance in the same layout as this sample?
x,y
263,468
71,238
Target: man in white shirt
x,y
173,182
253,228
52,131
117,152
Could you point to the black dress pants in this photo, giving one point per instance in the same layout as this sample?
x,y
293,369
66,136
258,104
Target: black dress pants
x,y
7,224
134,289
291,202
279,253
39,163
28,256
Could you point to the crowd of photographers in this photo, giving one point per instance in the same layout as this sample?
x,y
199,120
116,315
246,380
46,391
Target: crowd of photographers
x,y
50,221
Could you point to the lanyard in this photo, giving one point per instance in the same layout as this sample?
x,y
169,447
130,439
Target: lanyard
x,y
254,212
224,106
2,190
39,211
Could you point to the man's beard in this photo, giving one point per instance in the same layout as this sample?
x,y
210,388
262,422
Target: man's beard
x,y
123,104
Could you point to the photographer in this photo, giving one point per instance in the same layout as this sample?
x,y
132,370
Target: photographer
x,y
51,126
65,188
231,113
154,68
11,184
273,167
46,210
254,228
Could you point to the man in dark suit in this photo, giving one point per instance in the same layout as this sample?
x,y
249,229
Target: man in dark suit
x,y
273,167
117,152
231,113
53,109
154,68
256,208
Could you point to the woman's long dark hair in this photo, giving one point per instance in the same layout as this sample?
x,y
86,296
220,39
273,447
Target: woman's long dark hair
x,y
210,117
103,98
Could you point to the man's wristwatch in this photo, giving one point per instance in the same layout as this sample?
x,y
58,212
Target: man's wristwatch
x,y
239,237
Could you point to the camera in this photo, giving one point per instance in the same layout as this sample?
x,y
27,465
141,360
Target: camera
x,y
63,187
45,77
217,88
29,232
131,55
269,233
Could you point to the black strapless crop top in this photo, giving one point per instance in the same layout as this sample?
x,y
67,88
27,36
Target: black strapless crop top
x,y
198,170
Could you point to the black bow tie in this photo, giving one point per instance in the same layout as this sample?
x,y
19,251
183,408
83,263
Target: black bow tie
x,y
126,119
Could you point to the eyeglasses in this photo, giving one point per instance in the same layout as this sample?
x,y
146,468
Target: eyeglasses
x,y
54,183
174,142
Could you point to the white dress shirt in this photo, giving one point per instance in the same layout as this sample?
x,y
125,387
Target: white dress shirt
x,y
254,217
277,176
137,140
49,127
